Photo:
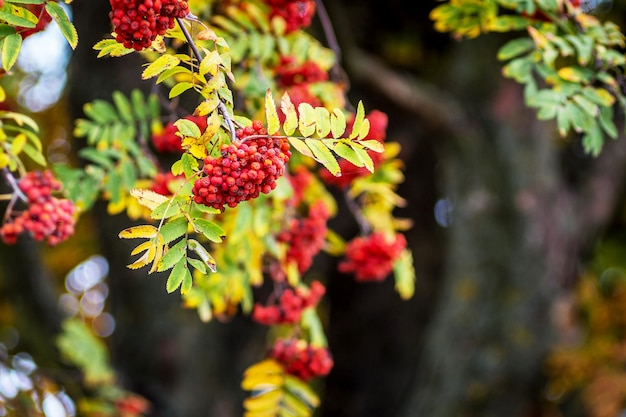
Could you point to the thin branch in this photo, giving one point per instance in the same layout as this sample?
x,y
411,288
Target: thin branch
x,y
337,72
434,107
198,55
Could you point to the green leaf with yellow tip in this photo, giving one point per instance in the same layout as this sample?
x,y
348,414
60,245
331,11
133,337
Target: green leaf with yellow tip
x,y
271,115
11,47
63,22
162,63
324,156
209,229
358,120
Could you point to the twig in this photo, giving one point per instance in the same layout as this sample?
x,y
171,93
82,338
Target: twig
x,y
17,193
331,39
198,55
358,214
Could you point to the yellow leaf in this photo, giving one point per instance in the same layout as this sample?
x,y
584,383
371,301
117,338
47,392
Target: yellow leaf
x,y
213,123
144,231
291,116
266,372
18,144
206,35
145,259
266,401
273,123
148,198
4,160
144,246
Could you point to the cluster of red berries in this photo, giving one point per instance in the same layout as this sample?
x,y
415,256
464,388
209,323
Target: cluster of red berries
x,y
162,181
371,257
40,11
167,141
290,305
301,359
304,237
246,168
46,216
138,22
349,171
297,13
289,73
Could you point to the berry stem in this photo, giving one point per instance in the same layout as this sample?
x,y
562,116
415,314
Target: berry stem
x,y
198,55
10,179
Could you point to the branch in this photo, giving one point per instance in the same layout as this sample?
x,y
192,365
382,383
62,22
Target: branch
x,y
434,107
198,55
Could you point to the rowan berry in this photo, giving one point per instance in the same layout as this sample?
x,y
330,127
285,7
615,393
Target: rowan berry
x,y
302,359
371,257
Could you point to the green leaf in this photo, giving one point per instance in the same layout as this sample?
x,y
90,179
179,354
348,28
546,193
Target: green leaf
x,y
165,210
188,128
189,165
199,265
205,256
34,154
62,20
606,122
174,229
575,74
179,273
324,156
337,123
123,106
162,63
515,47
322,122
209,229
180,88
97,157
301,147
347,153
173,255
11,47
358,119
306,122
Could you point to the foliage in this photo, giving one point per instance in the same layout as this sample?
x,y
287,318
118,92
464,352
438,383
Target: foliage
x,y
568,61
244,195
273,192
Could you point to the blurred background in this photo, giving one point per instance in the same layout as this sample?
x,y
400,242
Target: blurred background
x,y
518,239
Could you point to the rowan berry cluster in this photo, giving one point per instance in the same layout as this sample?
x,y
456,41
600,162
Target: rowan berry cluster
x,y
167,141
46,216
349,171
40,11
302,359
305,237
246,168
297,13
371,257
288,73
290,304
138,22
